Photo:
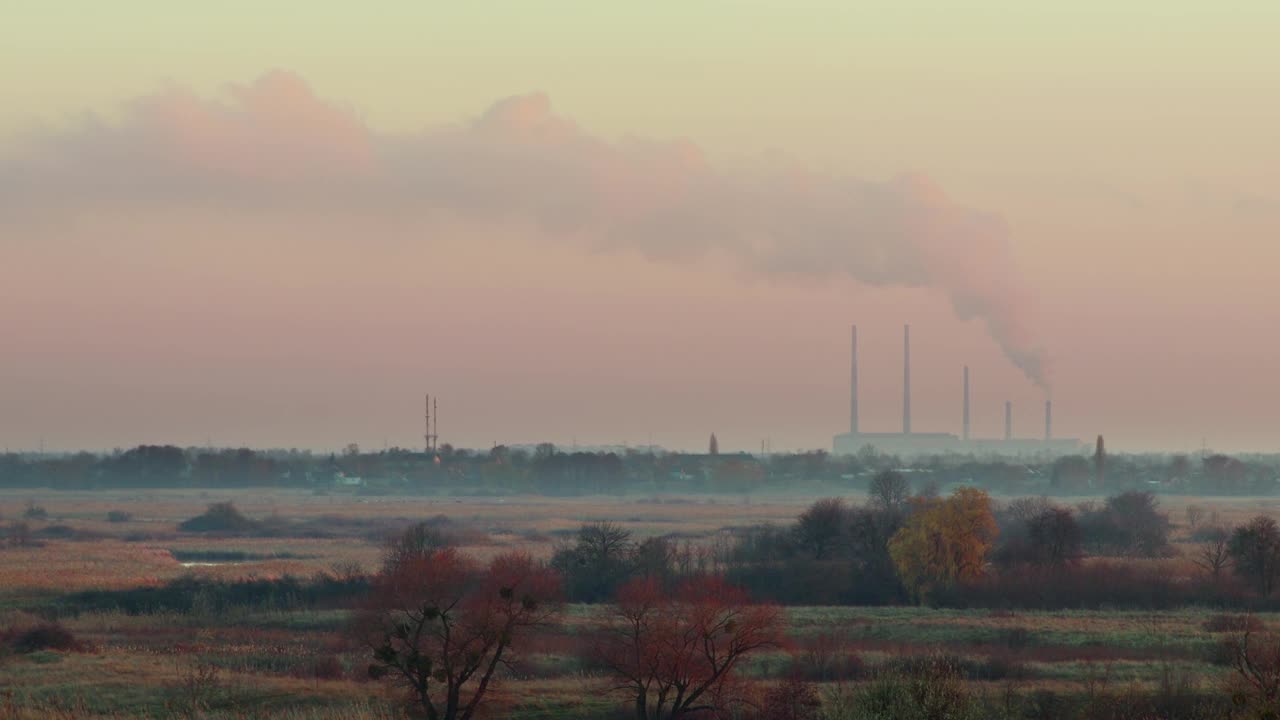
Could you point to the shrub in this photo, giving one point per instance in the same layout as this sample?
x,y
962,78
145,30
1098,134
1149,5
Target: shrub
x,y
1222,653
921,689
1233,624
1128,524
1208,533
794,699
1016,638
119,516
58,532
1092,585
19,534
35,512
192,594
328,667
827,658
415,543
1001,666
45,636
220,517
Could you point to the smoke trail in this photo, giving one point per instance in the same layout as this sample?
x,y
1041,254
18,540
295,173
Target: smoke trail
x,y
274,146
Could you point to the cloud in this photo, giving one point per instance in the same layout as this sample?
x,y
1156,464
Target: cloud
x,y
275,146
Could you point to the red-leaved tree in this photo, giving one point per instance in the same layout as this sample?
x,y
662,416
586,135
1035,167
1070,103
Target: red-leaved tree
x,y
675,653
443,626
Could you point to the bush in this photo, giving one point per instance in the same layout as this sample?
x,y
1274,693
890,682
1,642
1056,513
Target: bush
x,y
220,517
794,699
191,594
1128,524
827,659
1222,653
1001,666
1016,638
35,512
45,636
415,542
328,667
119,516
1233,624
19,534
1208,533
1094,585
921,689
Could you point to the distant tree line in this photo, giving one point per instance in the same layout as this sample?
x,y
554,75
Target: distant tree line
x,y
962,550
546,469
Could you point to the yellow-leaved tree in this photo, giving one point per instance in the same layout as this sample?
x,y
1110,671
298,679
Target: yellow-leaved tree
x,y
944,542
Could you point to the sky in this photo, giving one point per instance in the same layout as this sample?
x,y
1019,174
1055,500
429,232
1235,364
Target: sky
x,y
636,223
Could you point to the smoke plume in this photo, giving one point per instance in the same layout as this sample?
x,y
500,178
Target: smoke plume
x,y
274,146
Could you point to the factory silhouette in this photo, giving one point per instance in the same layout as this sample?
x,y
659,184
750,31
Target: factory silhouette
x,y
910,442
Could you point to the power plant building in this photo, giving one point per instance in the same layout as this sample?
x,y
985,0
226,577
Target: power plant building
x,y
910,442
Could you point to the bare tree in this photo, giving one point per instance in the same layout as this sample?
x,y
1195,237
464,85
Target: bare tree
x,y
1214,554
414,544
604,540
1256,659
597,562
889,490
676,654
1195,515
442,626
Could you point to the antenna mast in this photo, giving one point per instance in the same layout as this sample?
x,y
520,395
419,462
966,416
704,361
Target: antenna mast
x,y
432,435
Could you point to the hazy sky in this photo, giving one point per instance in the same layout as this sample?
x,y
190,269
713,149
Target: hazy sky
x,y
619,222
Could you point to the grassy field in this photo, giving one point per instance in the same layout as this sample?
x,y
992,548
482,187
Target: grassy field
x,y
298,664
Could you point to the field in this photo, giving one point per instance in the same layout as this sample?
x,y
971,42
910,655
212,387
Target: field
x,y
246,662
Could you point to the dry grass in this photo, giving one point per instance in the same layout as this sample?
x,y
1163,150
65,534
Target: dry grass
x,y
140,662
138,552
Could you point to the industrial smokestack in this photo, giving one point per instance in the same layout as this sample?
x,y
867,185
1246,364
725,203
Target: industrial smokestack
x,y
1008,420
853,384
1048,420
906,379
966,403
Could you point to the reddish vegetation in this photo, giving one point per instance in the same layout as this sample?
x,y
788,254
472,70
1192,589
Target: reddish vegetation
x,y
794,699
45,636
442,625
1233,624
675,654
1255,657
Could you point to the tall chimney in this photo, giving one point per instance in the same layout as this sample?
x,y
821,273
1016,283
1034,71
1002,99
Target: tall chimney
x,y
1048,420
906,379
853,384
966,403
1008,420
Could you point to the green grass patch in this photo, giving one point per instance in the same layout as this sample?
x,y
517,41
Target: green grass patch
x,y
232,556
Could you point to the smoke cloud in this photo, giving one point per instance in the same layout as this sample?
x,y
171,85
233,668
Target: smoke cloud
x,y
274,146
